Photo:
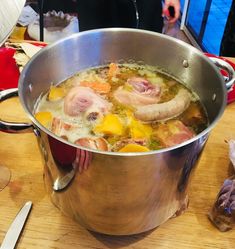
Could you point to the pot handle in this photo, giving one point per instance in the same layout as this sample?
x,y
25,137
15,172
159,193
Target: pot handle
x,y
13,127
221,64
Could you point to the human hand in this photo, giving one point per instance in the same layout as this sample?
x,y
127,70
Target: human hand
x,y
165,11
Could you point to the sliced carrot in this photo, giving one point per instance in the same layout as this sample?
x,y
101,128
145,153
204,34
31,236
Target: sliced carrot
x,y
113,70
100,87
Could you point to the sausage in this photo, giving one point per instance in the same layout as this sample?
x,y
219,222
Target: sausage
x,y
166,110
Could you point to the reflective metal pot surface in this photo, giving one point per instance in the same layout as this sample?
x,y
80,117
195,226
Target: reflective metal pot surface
x,y
120,193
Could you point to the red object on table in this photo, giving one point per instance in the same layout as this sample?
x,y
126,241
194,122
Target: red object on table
x,y
9,72
231,93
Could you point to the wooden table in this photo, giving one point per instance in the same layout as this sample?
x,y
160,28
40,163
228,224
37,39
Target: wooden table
x,y
48,228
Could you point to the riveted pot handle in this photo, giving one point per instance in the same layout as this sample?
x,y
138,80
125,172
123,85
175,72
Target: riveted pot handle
x,y
13,127
221,64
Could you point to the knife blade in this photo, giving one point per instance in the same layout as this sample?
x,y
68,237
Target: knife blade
x,y
16,227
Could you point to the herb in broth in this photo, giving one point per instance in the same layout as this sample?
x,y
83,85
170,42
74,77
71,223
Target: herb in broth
x,y
122,108
155,144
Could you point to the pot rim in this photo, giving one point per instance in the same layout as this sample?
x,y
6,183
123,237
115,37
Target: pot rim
x,y
110,153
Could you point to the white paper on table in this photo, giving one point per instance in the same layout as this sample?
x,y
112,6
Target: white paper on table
x,y
28,15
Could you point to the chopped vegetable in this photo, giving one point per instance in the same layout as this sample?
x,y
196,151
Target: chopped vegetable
x,y
155,144
45,118
110,125
133,148
56,93
137,129
99,87
113,70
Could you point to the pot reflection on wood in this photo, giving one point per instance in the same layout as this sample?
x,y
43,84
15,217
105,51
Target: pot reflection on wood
x,y
118,194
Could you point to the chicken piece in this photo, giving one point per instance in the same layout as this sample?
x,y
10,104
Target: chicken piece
x,y
79,99
166,110
144,87
137,92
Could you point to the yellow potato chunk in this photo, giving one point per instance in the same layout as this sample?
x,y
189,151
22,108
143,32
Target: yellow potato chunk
x,y
133,148
45,118
110,125
56,93
137,129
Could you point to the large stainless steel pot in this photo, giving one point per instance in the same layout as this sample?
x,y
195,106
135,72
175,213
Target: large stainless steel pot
x,y
119,193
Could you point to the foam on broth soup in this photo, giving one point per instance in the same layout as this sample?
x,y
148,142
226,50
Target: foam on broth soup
x,y
122,107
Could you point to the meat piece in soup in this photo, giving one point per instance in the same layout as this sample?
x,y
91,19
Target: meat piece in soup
x,y
122,108
142,92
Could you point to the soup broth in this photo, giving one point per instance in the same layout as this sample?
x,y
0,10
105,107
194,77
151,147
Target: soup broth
x,y
122,108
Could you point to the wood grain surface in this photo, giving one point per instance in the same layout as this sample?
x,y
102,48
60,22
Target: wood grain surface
x,y
47,227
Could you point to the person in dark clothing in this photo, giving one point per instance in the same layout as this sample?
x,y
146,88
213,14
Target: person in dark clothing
x,y
227,46
143,14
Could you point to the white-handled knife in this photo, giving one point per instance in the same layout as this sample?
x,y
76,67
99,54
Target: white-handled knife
x,y
16,227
